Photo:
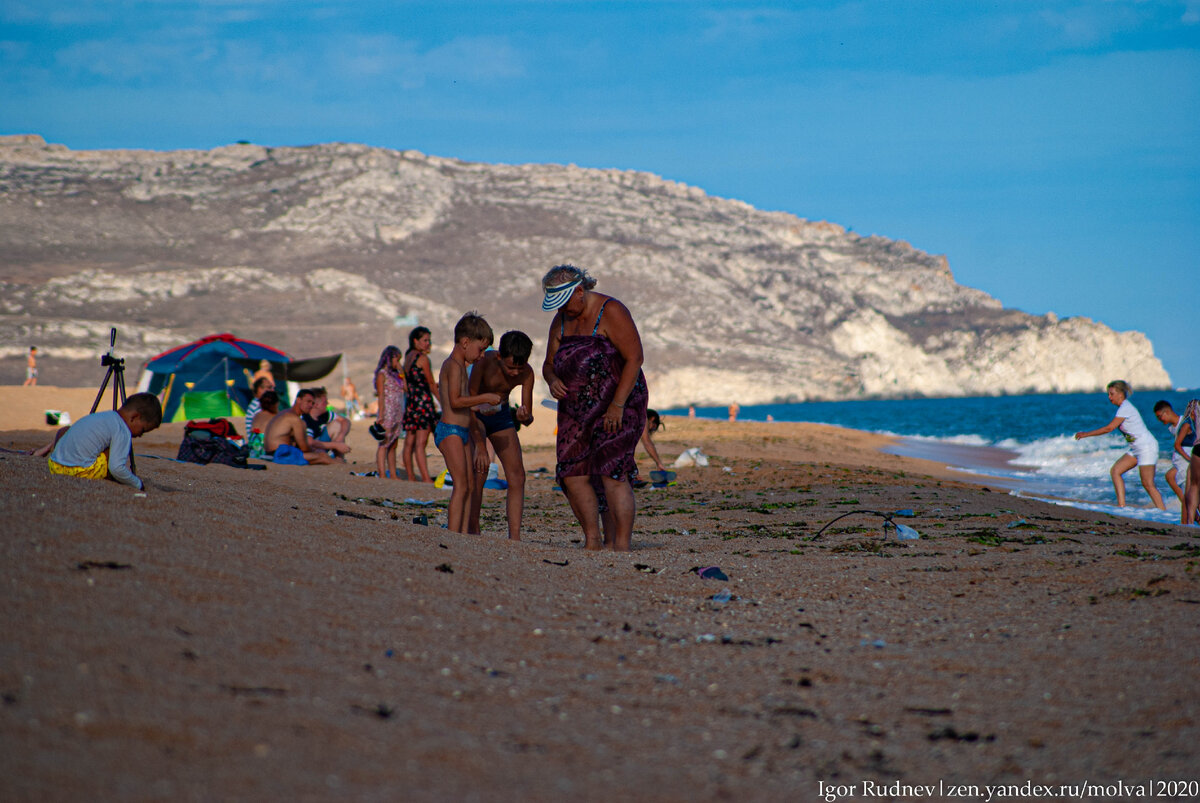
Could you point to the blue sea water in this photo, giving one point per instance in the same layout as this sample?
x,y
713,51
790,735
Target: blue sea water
x,y
1035,431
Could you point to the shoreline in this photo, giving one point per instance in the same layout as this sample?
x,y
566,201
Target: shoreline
x,y
987,467
292,633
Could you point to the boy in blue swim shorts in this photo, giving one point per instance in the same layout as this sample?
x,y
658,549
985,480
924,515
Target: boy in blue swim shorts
x,y
459,435
500,372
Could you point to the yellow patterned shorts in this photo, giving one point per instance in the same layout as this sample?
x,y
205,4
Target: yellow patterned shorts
x,y
96,471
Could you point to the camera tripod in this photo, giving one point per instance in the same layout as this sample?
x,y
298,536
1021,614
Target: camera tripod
x,y
116,372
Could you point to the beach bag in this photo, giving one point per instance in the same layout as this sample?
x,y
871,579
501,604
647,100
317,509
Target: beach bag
x,y
209,441
217,427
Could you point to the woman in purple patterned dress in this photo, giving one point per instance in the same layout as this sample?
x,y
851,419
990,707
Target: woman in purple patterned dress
x,y
389,389
594,368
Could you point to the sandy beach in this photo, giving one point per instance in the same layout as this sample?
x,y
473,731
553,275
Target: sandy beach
x,y
293,634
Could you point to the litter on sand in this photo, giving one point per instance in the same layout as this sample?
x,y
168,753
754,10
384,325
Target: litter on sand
x,y
691,457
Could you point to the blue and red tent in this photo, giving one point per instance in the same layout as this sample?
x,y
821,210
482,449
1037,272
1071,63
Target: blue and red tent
x,y
192,375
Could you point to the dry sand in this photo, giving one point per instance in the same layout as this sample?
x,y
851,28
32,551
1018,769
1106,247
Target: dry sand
x,y
230,636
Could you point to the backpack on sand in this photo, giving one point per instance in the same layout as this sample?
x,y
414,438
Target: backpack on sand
x,y
209,441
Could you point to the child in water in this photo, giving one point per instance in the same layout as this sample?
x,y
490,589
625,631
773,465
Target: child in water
x,y
1143,449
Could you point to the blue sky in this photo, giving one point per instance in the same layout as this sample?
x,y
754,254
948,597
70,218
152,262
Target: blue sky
x,y
1050,149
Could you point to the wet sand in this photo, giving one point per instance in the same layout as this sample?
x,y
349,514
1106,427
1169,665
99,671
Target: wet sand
x,y
232,636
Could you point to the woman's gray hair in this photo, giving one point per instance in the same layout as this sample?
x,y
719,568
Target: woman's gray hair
x,y
561,274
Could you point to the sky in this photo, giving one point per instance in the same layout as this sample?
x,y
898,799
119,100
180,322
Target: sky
x,y
1051,150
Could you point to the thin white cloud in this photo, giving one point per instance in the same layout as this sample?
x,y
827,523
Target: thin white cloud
x,y
394,60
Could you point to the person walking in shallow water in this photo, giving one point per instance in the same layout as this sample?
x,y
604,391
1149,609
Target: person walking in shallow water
x,y
1143,449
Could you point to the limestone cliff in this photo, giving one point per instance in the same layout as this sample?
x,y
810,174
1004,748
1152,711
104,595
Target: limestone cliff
x,y
320,249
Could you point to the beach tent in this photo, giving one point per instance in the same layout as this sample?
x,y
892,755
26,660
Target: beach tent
x,y
210,377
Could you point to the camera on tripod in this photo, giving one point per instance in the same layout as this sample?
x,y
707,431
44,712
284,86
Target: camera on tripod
x,y
116,372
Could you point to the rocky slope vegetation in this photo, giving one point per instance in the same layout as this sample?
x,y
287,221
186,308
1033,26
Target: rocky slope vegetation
x,y
325,248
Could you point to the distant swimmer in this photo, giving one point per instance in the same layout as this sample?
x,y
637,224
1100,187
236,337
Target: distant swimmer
x,y
1143,449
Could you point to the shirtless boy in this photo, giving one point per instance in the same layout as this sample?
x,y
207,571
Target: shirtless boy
x,y
286,439
31,366
459,435
500,372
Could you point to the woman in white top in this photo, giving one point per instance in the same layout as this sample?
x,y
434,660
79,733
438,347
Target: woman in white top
x,y
1143,449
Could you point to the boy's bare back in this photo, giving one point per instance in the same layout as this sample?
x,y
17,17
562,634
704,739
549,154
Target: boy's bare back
x,y
285,428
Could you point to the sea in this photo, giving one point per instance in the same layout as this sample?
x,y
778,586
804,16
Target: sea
x,y
1024,444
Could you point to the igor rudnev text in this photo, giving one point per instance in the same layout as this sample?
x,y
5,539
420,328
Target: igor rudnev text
x,y
895,790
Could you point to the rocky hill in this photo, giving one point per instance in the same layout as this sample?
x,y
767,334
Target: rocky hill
x,y
321,249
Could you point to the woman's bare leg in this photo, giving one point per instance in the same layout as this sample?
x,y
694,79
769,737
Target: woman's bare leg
x,y
391,461
586,508
421,438
409,444
622,507
1147,474
1123,464
381,460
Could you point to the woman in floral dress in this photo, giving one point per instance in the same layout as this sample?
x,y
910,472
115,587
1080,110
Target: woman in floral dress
x,y
420,415
389,390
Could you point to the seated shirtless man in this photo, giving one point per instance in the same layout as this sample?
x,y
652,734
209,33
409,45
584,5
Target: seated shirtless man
x,y
286,439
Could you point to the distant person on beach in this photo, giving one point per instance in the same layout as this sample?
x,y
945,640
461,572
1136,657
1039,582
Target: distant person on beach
x,y
31,367
420,414
653,424
264,372
733,411
287,441
1181,447
350,398
99,445
257,427
594,368
458,434
325,428
500,372
389,395
1189,426
1143,449
260,387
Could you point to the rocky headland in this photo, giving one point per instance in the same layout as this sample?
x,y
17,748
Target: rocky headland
x,y
335,247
